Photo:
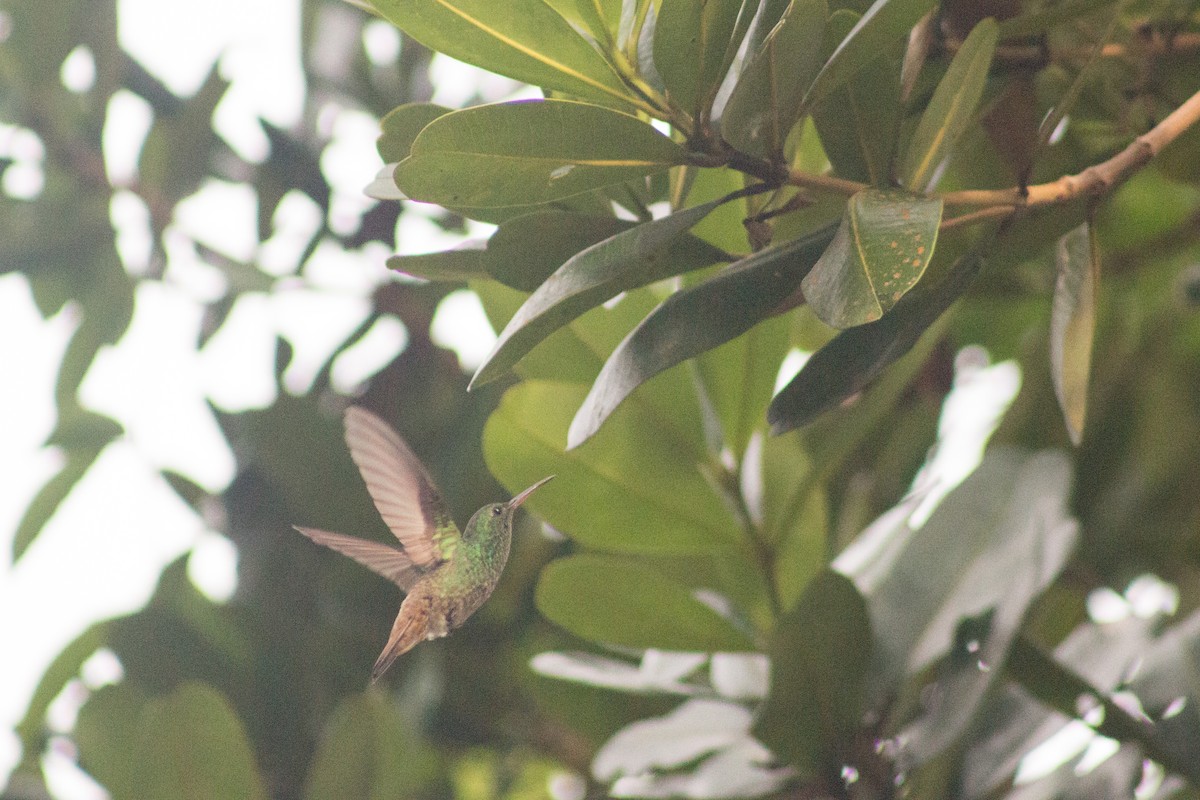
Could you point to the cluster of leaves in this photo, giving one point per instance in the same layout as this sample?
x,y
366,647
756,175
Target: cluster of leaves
x,y
692,140
707,187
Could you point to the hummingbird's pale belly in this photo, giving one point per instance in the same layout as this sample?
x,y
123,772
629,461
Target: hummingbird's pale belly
x,y
441,613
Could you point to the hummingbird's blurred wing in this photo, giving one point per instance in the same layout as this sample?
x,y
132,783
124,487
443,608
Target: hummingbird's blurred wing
x,y
403,492
381,559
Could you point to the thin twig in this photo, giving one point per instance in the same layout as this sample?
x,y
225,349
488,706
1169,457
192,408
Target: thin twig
x,y
827,183
991,212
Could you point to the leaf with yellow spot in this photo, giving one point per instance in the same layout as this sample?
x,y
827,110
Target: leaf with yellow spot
x,y
881,249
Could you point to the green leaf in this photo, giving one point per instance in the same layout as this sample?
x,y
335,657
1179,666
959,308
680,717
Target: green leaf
x,y
739,379
463,263
627,603
820,652
47,501
193,746
794,516
601,18
952,107
635,257
635,488
525,251
62,669
765,103
368,751
523,39
857,121
698,319
1086,74
106,732
522,252
576,352
769,14
695,41
521,153
593,203
883,24
1073,324
725,226
1101,656
881,250
856,357
400,127
179,147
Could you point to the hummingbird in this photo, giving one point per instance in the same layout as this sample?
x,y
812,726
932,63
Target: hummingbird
x,y
446,574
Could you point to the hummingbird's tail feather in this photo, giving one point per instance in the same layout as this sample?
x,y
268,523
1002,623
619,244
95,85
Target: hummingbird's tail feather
x,y
409,630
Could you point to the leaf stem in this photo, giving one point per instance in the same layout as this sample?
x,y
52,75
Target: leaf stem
x,y
990,212
827,183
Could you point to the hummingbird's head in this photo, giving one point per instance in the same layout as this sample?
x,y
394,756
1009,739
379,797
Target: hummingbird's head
x,y
497,516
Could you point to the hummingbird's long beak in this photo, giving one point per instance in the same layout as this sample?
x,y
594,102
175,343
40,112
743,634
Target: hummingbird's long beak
x,y
523,496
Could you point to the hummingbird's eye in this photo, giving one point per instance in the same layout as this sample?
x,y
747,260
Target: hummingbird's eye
x,y
497,510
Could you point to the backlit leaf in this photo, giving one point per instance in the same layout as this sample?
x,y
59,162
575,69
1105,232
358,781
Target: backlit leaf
x,y
602,18
106,732
765,103
1073,324
697,319
510,154
738,378
64,668
620,601
880,251
634,488
635,257
523,39
952,107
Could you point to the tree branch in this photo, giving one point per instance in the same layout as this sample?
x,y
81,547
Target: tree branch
x,y
1096,180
